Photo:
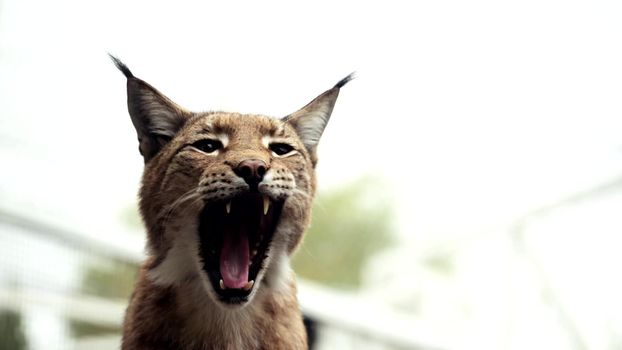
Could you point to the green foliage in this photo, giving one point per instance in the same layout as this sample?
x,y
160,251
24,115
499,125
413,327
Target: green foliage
x,y
113,280
441,262
81,329
349,225
131,217
11,332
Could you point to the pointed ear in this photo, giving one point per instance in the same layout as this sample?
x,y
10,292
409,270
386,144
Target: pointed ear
x,y
155,117
310,121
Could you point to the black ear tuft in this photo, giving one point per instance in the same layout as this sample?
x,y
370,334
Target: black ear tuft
x,y
121,66
155,117
310,121
345,80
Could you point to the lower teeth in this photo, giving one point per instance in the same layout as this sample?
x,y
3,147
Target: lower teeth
x,y
246,287
249,285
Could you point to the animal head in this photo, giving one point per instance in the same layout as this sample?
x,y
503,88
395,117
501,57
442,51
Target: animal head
x,y
226,197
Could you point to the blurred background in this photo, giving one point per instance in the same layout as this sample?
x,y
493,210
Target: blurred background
x,y
470,178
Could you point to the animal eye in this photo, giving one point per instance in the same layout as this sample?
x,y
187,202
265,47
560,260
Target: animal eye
x,y
207,145
281,148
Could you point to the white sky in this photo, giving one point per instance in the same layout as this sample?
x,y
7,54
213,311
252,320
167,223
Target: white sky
x,y
474,112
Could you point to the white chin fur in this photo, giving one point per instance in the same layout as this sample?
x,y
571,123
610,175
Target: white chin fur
x,y
279,273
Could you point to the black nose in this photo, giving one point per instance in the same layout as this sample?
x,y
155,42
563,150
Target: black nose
x,y
252,171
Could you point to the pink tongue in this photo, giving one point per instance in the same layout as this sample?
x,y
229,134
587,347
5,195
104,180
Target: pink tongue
x,y
234,260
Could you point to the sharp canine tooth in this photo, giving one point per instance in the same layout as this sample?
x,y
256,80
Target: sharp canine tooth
x,y
266,204
249,285
228,207
222,284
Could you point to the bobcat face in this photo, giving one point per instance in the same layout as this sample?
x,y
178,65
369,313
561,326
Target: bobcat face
x,y
230,194
225,197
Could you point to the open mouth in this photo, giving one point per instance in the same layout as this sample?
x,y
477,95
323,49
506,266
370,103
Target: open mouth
x,y
235,237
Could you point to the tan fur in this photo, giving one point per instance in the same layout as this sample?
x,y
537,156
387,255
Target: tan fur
x,y
174,306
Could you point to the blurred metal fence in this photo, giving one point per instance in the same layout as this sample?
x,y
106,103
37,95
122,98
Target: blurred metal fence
x,y
49,294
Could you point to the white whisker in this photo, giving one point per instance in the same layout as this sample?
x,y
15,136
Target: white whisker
x,y
301,192
191,194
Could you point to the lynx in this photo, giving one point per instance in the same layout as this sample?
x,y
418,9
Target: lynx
x,y
226,199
